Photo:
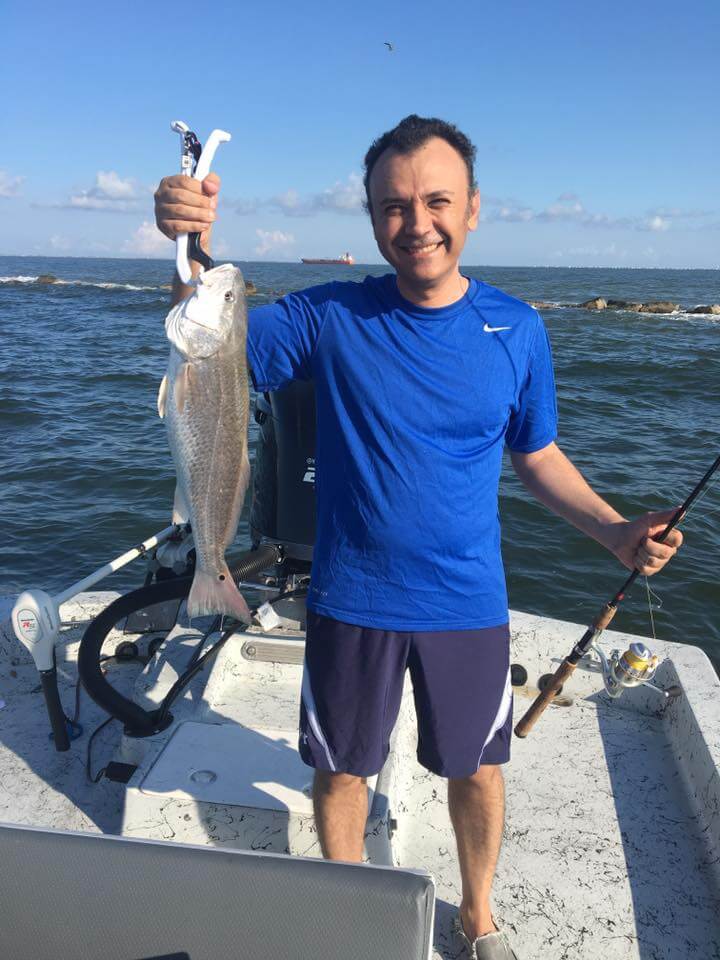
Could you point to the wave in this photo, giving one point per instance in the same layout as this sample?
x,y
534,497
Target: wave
x,y
623,307
47,280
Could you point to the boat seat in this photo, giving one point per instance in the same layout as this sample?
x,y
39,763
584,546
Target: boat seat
x,y
95,897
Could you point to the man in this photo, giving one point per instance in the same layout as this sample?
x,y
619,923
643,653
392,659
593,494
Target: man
x,y
421,378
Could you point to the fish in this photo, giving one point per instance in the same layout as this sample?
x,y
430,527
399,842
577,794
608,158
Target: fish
x,y
204,399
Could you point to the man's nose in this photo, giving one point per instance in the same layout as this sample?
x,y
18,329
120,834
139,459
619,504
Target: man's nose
x,y
417,219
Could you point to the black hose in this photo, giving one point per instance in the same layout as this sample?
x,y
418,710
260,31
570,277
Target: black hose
x,y
48,681
137,721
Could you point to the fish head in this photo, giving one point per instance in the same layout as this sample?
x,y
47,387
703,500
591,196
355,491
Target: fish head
x,y
200,324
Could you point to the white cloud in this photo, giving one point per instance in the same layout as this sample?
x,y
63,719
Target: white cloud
x,y
59,243
271,240
9,186
342,197
110,192
569,208
291,204
147,241
111,186
244,208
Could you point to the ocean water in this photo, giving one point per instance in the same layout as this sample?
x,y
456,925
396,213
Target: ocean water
x,y
85,470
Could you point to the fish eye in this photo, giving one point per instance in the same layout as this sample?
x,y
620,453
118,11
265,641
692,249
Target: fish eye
x,y
229,298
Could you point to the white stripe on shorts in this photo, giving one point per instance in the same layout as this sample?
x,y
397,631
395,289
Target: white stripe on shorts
x,y
311,710
501,716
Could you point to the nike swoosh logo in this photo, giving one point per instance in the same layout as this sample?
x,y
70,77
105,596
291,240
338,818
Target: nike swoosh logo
x,y
489,329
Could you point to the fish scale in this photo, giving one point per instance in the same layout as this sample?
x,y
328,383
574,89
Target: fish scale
x,y
205,401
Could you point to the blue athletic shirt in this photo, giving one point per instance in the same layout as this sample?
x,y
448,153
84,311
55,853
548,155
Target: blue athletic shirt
x,y
414,406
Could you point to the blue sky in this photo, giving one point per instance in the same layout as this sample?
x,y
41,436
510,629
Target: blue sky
x,y
596,125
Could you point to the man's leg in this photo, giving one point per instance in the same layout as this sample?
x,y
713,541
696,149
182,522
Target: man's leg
x,y
341,809
351,692
477,811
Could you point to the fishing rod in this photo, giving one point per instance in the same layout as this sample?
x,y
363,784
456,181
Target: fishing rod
x,y
637,665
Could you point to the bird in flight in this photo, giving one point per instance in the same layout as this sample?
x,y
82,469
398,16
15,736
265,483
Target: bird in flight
x,y
389,46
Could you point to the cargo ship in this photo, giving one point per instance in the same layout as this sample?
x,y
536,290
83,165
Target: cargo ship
x,y
346,258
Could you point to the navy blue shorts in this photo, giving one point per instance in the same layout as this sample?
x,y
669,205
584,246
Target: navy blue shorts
x,y
352,689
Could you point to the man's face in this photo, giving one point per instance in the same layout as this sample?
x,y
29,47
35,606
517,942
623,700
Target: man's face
x,y
421,212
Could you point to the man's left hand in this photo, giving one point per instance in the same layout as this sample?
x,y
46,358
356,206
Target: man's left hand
x,y
633,544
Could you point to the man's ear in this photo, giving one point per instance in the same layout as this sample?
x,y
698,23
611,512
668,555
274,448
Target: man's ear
x,y
474,211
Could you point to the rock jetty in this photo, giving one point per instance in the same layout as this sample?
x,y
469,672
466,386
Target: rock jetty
x,y
653,306
713,309
659,306
624,305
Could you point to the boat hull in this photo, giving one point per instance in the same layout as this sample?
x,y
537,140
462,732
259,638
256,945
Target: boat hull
x,y
613,807
348,263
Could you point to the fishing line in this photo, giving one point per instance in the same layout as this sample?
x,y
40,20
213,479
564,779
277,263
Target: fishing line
x,y
651,595
650,609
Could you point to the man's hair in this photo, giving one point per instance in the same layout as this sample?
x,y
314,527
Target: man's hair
x,y
410,134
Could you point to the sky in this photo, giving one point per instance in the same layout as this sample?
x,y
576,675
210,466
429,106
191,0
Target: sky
x,y
596,125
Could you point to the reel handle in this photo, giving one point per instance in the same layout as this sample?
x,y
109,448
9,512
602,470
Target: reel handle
x,y
540,704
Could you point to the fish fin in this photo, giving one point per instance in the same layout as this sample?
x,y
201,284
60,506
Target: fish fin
x,y
162,397
183,384
210,594
181,510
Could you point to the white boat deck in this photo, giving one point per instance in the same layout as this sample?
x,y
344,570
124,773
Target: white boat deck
x,y
612,840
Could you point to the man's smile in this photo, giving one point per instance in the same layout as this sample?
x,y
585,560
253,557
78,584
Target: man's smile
x,y
420,250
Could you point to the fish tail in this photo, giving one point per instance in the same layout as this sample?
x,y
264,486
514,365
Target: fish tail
x,y
216,594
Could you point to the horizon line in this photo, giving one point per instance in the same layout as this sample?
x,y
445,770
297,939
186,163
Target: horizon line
x,y
298,262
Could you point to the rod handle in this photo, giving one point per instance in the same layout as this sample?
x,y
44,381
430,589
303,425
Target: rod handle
x,y
539,705
604,617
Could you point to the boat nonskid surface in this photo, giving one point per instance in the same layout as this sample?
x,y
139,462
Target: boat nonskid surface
x,y
613,807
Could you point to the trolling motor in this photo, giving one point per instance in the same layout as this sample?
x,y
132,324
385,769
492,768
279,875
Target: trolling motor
x,y
36,621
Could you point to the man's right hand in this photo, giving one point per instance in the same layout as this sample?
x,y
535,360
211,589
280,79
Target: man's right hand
x,y
185,205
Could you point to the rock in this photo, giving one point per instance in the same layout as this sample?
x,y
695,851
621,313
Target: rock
x,y
250,288
541,305
46,278
624,305
597,304
659,306
713,308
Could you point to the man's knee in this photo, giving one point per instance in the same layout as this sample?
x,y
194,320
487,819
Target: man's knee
x,y
327,782
488,776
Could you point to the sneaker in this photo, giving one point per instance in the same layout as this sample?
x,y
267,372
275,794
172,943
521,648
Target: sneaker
x,y
493,946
